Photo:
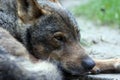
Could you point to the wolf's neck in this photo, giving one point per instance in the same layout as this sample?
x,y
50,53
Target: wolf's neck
x,y
8,5
8,15
7,21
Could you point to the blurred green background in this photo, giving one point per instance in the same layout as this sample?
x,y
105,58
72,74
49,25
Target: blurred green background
x,y
103,11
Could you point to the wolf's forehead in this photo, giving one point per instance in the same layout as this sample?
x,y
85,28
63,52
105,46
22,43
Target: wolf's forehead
x,y
54,8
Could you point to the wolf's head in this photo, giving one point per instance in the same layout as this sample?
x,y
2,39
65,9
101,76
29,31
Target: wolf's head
x,y
53,35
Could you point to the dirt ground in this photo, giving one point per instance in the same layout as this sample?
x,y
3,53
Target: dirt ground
x,y
103,42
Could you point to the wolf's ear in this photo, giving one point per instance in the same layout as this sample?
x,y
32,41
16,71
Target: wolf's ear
x,y
28,10
54,0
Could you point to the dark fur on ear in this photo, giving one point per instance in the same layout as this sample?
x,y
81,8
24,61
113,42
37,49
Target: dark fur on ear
x,y
54,0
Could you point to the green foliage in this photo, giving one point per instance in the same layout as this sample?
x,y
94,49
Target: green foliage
x,y
106,11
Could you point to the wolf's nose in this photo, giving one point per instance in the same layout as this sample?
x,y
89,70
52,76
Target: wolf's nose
x,y
88,64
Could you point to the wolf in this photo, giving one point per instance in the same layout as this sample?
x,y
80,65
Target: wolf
x,y
49,32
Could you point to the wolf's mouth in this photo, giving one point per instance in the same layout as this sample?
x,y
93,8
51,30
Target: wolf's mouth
x,y
72,72
68,75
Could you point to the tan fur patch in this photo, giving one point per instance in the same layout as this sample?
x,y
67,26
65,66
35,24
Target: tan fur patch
x,y
106,65
11,45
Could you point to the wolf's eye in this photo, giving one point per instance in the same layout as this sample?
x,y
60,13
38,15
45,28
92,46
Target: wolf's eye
x,y
59,36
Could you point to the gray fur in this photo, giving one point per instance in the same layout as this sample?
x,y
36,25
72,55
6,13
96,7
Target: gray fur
x,y
37,32
15,63
13,68
10,21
